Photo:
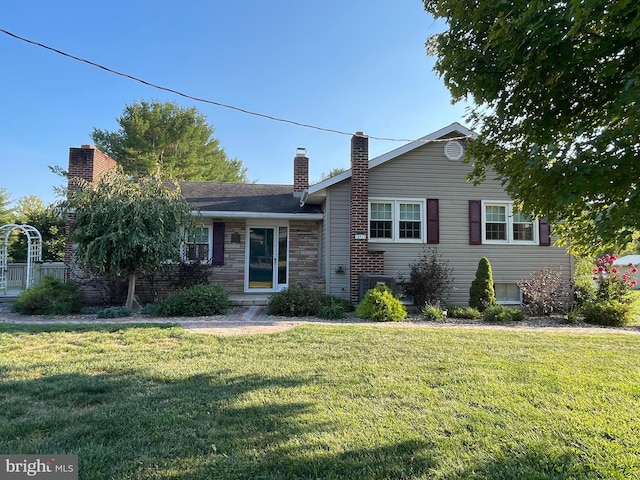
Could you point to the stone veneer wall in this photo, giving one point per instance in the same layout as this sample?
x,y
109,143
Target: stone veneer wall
x,y
304,247
230,275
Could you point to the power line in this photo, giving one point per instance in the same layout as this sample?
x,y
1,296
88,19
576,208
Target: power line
x,y
203,100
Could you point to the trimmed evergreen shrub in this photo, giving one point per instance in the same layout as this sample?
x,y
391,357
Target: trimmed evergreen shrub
x,y
481,293
379,304
51,297
197,301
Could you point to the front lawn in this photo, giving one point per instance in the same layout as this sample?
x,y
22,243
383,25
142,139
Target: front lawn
x,y
147,402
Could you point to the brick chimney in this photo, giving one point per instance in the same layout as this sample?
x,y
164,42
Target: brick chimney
x,y
300,172
87,163
361,259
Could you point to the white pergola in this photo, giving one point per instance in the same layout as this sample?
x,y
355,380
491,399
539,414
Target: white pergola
x,y
34,251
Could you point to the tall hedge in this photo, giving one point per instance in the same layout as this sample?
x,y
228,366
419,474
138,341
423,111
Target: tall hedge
x,y
482,294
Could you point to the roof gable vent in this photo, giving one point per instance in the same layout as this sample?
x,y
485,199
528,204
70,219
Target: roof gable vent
x,y
453,150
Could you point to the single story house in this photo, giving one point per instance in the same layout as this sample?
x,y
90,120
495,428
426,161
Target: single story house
x,y
364,225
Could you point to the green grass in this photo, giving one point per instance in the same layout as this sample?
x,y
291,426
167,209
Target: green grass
x,y
146,402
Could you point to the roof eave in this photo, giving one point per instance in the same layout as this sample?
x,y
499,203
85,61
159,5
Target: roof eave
x,y
261,215
316,190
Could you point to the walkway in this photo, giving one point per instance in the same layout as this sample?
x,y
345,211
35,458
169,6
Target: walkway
x,y
254,320
242,320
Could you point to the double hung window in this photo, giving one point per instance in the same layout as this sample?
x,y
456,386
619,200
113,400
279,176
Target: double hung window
x,y
502,223
397,220
197,245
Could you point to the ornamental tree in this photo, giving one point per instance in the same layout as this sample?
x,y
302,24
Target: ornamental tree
x,y
556,88
125,227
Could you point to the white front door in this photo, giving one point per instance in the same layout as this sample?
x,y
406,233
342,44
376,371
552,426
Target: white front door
x,y
267,259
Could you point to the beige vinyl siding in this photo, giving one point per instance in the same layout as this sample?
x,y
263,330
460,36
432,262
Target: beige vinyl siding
x,y
426,173
337,236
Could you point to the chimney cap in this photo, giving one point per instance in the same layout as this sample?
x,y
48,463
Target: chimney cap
x,y
360,134
301,152
87,146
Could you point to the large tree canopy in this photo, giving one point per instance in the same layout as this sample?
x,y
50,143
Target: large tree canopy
x,y
176,140
126,227
556,88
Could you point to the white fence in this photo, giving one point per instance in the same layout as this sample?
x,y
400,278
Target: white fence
x,y
17,274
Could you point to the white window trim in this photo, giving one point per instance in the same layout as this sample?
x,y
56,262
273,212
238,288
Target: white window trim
x,y
183,247
395,219
510,302
509,213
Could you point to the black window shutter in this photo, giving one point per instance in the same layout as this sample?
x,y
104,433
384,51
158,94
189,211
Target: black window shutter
x,y
545,232
218,243
475,222
433,220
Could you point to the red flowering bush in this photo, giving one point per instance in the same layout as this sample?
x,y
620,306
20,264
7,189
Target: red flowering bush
x,y
612,302
611,285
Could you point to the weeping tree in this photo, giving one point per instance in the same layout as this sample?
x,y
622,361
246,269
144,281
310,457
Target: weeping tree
x,y
125,227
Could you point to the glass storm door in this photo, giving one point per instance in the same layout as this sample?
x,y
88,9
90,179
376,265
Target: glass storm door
x,y
267,262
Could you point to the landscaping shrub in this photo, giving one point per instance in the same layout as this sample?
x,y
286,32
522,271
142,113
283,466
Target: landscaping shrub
x,y
546,292
500,313
334,311
189,274
90,310
431,312
197,301
296,301
305,301
612,313
429,279
612,303
149,309
583,293
379,304
51,297
113,312
481,294
454,311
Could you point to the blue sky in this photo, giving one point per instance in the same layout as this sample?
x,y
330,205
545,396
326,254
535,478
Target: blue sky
x,y
351,65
